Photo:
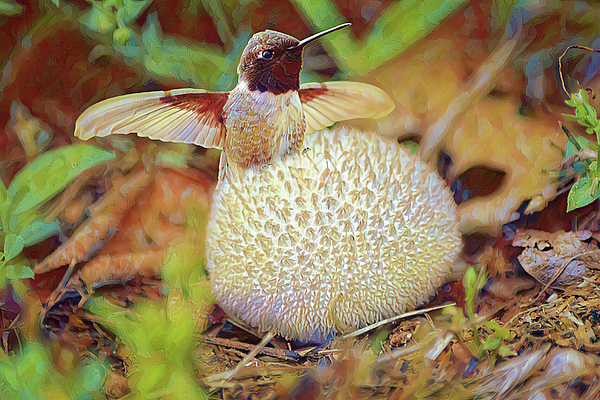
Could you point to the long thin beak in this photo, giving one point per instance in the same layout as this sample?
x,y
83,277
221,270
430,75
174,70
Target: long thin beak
x,y
318,35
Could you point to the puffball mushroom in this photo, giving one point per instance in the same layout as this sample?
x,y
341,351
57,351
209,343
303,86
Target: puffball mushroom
x,y
350,232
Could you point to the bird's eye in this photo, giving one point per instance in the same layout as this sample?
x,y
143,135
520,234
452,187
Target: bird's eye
x,y
267,54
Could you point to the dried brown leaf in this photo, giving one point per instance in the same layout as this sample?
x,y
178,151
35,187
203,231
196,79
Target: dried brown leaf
x,y
149,228
117,268
510,373
562,366
546,253
105,216
492,133
440,88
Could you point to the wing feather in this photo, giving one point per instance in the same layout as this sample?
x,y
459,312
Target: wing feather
x,y
182,115
327,103
182,125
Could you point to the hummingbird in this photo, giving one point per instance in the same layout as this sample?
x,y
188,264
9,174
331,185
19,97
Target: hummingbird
x,y
265,116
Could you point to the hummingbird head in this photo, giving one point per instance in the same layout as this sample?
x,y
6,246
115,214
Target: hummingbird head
x,y
272,61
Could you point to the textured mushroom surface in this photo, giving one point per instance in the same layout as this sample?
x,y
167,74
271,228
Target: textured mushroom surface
x,y
351,231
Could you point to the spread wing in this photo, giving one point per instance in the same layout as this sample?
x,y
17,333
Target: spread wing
x,y
182,115
327,103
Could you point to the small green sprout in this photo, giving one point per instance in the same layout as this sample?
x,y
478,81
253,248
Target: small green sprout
x,y
494,342
585,190
473,283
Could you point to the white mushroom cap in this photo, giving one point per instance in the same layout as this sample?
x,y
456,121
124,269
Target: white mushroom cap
x,y
353,231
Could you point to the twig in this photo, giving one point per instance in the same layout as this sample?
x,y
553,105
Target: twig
x,y
231,374
471,92
560,72
401,352
561,270
440,345
286,355
524,312
392,319
570,135
57,293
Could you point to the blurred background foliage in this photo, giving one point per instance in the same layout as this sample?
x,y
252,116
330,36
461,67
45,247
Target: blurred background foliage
x,y
58,57
132,30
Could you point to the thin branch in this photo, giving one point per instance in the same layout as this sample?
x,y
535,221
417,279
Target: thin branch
x,y
471,92
570,135
231,374
560,271
392,319
560,71
286,355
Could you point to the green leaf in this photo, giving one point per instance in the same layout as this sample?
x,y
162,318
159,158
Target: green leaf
x,y
400,25
10,8
89,380
122,35
3,194
580,167
581,193
98,19
174,156
469,282
492,342
506,351
377,341
3,207
16,223
13,245
168,56
412,147
51,172
182,386
493,325
16,272
31,375
585,114
132,9
571,149
39,231
470,279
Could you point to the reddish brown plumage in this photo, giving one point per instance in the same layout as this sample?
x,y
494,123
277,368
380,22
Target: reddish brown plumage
x,y
264,117
262,125
203,103
311,94
280,77
277,75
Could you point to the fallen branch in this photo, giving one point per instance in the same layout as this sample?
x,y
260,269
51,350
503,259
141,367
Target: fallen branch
x,y
286,355
228,375
392,319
